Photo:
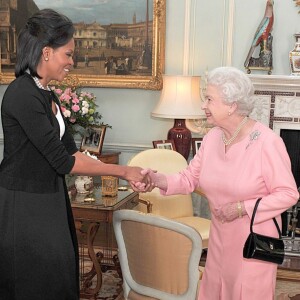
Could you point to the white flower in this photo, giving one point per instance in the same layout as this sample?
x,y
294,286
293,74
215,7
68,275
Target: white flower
x,y
67,113
85,104
85,110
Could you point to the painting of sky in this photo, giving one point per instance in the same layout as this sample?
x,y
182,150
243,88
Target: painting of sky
x,y
101,11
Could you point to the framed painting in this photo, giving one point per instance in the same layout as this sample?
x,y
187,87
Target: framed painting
x,y
196,143
118,43
164,144
94,142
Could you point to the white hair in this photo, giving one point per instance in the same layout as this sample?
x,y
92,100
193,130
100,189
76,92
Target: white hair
x,y
235,86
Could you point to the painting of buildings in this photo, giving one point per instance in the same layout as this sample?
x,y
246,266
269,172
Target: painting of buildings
x,y
103,45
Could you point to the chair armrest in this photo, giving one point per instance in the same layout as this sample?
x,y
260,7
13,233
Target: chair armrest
x,y
147,203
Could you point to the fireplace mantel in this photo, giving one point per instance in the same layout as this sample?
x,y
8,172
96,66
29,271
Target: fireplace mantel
x,y
277,101
277,105
276,82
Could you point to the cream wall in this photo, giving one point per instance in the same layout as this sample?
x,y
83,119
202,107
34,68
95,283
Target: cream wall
x,y
224,30
207,35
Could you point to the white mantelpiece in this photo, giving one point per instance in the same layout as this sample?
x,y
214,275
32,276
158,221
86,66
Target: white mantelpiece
x,y
276,82
277,102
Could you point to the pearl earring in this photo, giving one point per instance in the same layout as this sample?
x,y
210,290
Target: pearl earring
x,y
229,113
46,58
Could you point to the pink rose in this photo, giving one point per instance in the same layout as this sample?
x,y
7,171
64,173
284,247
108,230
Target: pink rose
x,y
65,98
75,108
75,100
73,95
68,91
89,95
58,91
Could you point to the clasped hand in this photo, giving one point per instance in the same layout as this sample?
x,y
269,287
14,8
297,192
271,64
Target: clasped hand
x,y
148,183
227,212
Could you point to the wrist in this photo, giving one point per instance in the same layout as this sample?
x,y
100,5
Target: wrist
x,y
239,209
160,181
244,212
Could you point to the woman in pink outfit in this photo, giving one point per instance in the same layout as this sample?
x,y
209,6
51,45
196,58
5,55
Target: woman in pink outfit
x,y
239,161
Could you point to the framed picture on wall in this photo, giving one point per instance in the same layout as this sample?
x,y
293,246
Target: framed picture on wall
x,y
94,142
118,44
196,143
164,144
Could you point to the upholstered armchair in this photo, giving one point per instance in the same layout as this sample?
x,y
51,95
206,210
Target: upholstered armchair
x,y
176,207
158,256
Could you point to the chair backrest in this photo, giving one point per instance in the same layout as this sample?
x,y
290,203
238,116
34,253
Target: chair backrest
x,y
167,162
159,257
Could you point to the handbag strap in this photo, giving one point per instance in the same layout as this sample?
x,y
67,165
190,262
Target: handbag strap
x,y
253,215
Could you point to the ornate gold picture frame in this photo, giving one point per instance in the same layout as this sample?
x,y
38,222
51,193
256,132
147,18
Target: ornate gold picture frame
x,y
109,52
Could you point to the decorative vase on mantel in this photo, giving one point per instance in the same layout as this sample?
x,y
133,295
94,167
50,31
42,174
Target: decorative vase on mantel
x,y
295,56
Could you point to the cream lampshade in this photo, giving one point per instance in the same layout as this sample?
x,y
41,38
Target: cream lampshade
x,y
180,99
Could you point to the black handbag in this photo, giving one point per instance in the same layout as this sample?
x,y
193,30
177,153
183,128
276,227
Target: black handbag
x,y
264,247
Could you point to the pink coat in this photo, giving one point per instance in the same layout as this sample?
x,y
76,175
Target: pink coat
x,y
257,166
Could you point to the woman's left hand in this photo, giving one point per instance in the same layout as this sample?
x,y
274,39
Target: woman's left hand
x,y
229,212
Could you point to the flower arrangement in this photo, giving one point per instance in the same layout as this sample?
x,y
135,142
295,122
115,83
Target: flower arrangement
x,y
79,108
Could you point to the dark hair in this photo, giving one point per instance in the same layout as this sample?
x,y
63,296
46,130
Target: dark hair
x,y
45,28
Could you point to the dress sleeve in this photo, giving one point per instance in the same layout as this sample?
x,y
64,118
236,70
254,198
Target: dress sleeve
x,y
187,180
69,142
31,112
279,181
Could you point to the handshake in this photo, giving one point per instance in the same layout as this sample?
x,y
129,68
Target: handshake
x,y
151,180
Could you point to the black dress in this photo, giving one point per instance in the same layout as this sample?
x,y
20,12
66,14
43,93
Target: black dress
x,y
38,245
37,255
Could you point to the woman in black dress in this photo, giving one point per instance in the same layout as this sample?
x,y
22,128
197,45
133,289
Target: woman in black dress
x,y
38,245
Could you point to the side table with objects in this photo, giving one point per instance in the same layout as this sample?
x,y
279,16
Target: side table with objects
x,y
97,245
109,157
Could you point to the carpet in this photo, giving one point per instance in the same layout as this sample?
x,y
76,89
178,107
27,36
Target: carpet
x,y
111,286
287,290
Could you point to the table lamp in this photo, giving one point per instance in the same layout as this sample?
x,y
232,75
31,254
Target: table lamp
x,y
180,99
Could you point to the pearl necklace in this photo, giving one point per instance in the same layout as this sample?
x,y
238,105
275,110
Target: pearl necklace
x,y
39,85
235,134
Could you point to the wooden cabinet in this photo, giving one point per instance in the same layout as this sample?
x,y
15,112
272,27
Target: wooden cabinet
x,y
109,157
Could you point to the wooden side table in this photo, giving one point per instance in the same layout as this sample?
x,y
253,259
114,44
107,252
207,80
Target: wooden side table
x,y
91,216
109,157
